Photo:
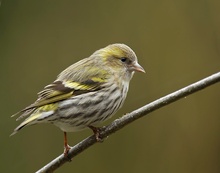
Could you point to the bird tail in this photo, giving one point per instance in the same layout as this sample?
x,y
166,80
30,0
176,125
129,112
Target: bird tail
x,y
29,121
35,117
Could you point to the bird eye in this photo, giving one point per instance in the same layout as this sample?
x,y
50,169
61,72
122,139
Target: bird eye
x,y
124,59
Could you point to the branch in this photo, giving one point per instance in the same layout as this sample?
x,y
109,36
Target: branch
x,y
130,117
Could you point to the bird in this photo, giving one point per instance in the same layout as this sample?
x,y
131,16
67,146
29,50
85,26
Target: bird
x,y
86,93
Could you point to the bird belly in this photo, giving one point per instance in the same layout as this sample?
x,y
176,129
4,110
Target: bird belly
x,y
92,108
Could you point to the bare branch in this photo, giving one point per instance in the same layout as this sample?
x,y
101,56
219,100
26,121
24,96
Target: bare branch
x,y
130,117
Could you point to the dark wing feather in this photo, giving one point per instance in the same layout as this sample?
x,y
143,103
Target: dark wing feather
x,y
58,91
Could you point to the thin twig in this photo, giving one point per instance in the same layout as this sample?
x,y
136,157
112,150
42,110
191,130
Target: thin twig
x,y
130,117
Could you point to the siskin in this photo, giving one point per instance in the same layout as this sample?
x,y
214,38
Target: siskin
x,y
86,93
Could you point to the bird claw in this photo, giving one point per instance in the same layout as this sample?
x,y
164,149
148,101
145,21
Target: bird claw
x,y
96,131
66,151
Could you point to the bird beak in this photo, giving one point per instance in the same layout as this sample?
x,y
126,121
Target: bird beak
x,y
137,67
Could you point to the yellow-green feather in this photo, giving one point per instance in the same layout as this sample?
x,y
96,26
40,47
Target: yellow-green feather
x,y
53,99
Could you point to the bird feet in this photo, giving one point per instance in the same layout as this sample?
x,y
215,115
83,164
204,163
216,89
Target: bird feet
x,y
66,150
96,131
66,147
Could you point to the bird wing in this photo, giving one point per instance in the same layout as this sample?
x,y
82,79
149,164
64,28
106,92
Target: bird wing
x,y
61,90
73,81
58,91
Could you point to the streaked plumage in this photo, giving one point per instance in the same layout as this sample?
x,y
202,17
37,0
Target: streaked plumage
x,y
86,93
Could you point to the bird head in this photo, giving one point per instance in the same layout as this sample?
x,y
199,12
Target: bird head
x,y
120,57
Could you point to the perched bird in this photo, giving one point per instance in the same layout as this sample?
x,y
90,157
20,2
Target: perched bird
x,y
86,93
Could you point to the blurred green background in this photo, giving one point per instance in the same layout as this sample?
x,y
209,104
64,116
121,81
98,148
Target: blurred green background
x,y
177,42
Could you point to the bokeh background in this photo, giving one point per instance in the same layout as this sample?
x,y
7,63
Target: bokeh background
x,y
177,42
